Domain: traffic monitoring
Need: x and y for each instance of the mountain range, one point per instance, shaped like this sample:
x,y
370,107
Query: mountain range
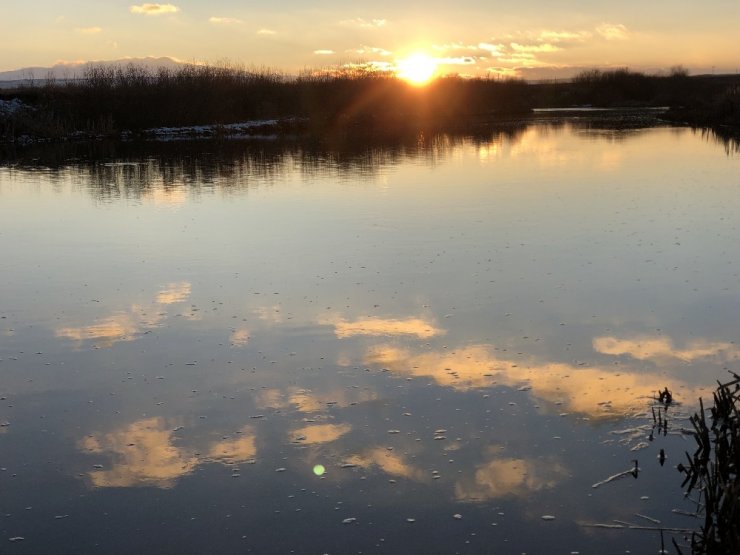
x,y
75,70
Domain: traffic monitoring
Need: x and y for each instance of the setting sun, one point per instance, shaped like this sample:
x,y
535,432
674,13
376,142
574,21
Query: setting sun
x,y
417,69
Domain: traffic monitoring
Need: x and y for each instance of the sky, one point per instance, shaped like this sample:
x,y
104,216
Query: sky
x,y
525,38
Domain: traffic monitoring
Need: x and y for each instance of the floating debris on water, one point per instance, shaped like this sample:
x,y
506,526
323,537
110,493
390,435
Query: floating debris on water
x,y
631,472
281,469
16,539
547,517
457,516
651,519
349,520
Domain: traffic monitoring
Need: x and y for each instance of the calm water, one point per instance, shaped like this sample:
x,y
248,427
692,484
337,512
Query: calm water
x,y
422,347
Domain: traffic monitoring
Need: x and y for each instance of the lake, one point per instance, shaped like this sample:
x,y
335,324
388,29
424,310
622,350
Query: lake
x,y
444,343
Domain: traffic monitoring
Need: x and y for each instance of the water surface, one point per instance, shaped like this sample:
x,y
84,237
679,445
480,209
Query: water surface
x,y
423,346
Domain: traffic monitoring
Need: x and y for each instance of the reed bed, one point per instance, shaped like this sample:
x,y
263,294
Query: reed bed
x,y
712,472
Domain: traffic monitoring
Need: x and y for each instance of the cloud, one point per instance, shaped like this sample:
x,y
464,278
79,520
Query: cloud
x,y
312,403
144,454
546,47
370,50
596,391
154,9
493,49
563,36
662,349
418,327
130,324
239,449
503,477
174,293
266,32
459,61
364,23
320,433
224,20
612,31
239,337
89,30
323,52
119,327
390,463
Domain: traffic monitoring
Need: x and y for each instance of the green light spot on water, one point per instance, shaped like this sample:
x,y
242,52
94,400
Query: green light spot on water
x,y
319,470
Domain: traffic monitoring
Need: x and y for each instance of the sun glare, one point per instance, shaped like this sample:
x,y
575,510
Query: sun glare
x,y
417,69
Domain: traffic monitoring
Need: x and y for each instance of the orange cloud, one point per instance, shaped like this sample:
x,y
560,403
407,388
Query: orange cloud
x,y
509,477
154,9
143,454
174,293
224,20
127,325
661,349
599,392
320,433
389,462
239,338
423,329
611,31
240,449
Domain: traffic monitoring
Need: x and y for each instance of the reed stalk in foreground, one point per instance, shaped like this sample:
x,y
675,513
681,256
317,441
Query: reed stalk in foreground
x,y
713,471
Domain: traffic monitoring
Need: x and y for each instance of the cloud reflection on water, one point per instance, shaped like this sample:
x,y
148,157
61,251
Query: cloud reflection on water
x,y
505,476
661,349
389,462
418,327
145,453
127,325
310,402
320,433
598,392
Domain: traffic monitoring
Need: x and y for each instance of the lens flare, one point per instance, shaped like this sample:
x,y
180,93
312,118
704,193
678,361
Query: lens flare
x,y
417,69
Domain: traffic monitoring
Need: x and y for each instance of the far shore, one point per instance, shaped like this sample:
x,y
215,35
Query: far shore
x,y
221,102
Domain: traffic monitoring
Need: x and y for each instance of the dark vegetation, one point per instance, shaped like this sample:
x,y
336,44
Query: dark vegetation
x,y
110,100
711,472
114,99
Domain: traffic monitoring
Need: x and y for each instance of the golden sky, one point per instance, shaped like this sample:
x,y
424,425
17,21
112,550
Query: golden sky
x,y
528,38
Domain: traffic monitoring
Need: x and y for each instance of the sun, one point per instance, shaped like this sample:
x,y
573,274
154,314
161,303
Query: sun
x,y
417,69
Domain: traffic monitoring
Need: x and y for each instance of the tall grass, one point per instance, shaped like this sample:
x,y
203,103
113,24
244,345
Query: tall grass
x,y
112,99
713,472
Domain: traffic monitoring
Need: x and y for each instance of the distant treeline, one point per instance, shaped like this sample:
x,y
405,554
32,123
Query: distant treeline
x,y
111,100
703,100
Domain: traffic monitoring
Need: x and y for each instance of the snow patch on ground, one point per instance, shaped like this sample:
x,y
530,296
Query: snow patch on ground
x,y
10,107
229,130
